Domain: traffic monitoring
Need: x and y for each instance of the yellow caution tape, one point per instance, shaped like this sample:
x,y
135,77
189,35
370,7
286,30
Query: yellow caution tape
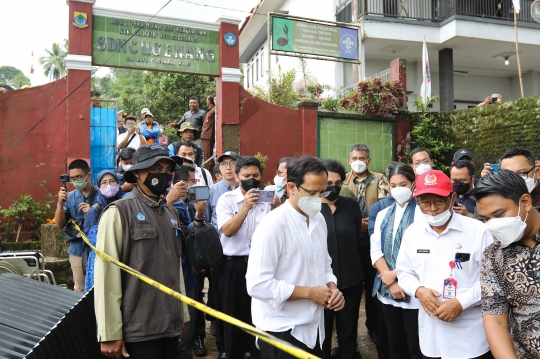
x,y
278,343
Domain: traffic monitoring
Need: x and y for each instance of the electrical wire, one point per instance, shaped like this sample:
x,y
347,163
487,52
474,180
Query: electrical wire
x,y
223,8
82,83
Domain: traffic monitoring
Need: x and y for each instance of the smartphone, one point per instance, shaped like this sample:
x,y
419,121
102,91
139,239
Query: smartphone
x,y
64,179
495,167
133,124
199,193
265,196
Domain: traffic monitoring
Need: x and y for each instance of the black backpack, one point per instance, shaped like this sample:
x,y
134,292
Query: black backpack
x,y
203,247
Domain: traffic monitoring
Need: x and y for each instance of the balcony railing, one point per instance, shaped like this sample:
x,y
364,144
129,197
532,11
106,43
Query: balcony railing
x,y
436,10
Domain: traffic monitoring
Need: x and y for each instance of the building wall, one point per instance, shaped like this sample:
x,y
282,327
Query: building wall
x,y
39,156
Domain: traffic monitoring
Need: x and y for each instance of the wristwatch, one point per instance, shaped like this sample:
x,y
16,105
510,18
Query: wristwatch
x,y
199,220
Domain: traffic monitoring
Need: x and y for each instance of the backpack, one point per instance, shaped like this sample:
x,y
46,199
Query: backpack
x,y
203,247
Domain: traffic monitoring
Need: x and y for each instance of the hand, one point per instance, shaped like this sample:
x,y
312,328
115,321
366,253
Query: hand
x,y
127,187
62,195
84,207
364,227
319,295
178,191
487,170
487,100
396,291
172,125
200,208
449,310
114,349
137,129
182,334
251,198
336,301
275,203
461,209
388,277
428,300
130,131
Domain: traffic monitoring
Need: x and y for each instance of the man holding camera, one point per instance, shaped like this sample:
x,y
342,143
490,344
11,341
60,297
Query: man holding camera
x,y
74,205
494,98
132,137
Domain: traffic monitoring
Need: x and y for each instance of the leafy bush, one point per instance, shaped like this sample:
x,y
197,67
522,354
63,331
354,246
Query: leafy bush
x,y
25,210
261,159
374,97
331,104
282,90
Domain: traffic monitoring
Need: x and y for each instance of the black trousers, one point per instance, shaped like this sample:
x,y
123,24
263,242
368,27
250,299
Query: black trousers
x,y
370,302
199,325
163,348
214,301
346,324
488,355
236,302
382,334
402,326
268,351
184,347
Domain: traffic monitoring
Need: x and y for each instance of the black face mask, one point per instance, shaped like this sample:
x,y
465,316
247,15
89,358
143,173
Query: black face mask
x,y
158,183
334,193
461,188
249,184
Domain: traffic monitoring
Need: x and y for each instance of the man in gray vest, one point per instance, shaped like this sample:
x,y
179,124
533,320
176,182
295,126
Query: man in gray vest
x,y
143,231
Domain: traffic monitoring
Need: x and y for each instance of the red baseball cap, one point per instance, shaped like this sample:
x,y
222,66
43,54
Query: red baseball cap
x,y
433,182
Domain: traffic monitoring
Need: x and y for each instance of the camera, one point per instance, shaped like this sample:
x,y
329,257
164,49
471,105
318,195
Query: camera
x,y
494,99
64,179
199,193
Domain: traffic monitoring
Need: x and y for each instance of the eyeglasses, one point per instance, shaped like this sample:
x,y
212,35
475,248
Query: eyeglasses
x,y
524,173
111,182
320,194
462,180
160,169
425,161
227,164
437,203
337,184
78,178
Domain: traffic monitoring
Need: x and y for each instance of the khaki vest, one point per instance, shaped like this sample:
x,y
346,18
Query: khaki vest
x,y
372,186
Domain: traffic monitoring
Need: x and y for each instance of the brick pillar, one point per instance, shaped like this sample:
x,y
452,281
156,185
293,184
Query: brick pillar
x,y
446,80
402,136
79,65
398,72
309,126
228,89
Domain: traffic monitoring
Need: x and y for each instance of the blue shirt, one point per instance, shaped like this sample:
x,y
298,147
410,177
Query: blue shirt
x,y
149,133
71,210
216,190
185,218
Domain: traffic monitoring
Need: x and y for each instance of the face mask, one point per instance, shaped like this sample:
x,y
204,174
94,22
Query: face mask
x,y
280,182
249,184
422,168
439,219
334,193
110,191
530,182
461,188
126,168
358,166
401,194
507,229
80,185
309,205
158,183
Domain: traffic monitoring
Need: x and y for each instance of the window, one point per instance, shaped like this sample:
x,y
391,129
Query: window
x,y
252,75
247,77
262,64
257,68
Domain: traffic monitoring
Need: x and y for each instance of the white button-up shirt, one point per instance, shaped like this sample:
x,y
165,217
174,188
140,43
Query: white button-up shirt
x,y
199,178
227,206
285,253
377,253
423,260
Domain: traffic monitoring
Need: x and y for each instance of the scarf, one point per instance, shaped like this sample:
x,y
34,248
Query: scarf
x,y
390,250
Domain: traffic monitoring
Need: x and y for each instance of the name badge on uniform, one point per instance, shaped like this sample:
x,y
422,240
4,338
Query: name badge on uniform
x,y
450,288
422,251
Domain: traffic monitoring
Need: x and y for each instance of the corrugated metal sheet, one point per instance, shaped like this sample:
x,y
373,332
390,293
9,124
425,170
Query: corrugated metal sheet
x,y
42,321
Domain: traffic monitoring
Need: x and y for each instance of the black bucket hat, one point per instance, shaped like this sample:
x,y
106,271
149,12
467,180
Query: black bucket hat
x,y
146,156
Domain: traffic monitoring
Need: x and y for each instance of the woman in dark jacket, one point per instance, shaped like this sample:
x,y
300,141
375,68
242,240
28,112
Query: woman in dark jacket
x,y
344,222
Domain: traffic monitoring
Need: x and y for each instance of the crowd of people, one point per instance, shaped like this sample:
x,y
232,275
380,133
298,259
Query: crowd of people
x,y
449,264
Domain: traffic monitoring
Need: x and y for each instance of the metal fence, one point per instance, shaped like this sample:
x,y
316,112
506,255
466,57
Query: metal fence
x,y
384,75
437,10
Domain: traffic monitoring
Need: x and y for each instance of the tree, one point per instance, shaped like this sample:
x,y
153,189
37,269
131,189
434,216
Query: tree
x,y
53,64
281,89
13,76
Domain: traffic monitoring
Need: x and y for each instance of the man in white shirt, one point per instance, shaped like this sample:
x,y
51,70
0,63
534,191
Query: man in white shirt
x,y
202,176
132,138
238,214
289,275
439,263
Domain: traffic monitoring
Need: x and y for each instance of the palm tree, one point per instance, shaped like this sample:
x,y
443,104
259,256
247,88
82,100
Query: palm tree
x,y
53,64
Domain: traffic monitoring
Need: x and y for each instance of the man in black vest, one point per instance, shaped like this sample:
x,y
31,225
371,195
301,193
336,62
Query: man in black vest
x,y
142,231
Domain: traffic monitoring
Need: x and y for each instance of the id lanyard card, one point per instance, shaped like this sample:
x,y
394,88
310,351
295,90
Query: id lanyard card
x,y
450,284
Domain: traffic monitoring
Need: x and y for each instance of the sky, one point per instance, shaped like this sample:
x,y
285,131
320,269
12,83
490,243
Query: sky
x,y
34,25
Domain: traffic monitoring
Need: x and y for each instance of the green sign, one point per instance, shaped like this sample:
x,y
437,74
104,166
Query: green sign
x,y
157,46
314,39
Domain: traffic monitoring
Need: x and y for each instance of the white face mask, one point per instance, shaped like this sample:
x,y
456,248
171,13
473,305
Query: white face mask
x,y
279,182
401,194
309,205
439,219
530,182
507,229
126,167
422,168
358,166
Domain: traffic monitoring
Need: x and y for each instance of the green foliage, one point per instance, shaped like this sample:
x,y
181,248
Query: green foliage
x,y
261,159
13,76
428,132
315,91
281,89
331,104
24,210
21,246
374,98
171,134
53,64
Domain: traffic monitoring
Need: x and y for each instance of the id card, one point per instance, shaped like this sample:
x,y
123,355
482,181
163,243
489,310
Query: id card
x,y
450,288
